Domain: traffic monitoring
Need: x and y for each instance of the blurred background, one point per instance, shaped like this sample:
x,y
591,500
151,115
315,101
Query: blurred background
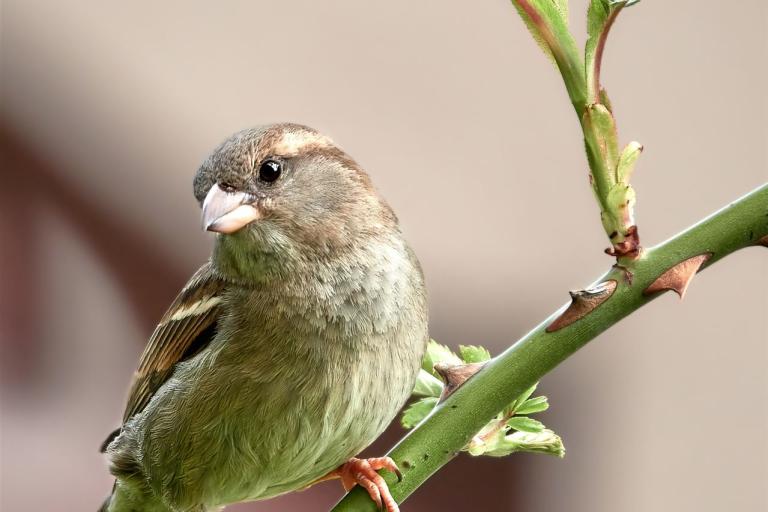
x,y
108,108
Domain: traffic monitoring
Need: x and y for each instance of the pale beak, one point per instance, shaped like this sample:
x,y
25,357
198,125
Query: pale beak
x,y
228,212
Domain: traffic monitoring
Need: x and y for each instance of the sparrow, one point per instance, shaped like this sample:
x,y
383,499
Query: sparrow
x,y
289,351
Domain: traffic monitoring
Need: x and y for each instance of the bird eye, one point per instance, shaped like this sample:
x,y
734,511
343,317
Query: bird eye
x,y
270,170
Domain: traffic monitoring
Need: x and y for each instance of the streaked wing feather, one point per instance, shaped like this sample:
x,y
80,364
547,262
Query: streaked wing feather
x,y
192,313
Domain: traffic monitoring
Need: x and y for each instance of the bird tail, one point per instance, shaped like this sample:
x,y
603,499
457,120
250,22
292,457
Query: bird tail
x,y
105,506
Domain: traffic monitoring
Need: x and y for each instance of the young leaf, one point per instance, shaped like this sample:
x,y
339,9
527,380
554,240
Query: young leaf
x,y
509,410
482,442
533,405
546,16
597,13
545,441
437,353
601,121
547,21
417,411
477,449
474,354
535,30
525,424
427,385
512,408
621,201
627,160
600,18
525,395
605,100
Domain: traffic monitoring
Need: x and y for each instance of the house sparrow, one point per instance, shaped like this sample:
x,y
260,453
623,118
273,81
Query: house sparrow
x,y
287,353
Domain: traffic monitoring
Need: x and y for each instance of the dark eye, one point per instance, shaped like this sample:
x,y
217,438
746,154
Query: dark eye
x,y
270,170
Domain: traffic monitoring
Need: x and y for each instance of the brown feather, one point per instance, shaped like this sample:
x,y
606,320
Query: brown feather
x,y
177,337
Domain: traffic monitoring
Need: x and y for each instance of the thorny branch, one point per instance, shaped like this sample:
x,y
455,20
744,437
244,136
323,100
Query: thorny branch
x,y
475,395
456,420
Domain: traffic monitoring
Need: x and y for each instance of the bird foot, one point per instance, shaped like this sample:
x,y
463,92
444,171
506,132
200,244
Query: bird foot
x,y
363,472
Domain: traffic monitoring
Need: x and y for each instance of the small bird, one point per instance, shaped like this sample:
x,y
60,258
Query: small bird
x,y
289,351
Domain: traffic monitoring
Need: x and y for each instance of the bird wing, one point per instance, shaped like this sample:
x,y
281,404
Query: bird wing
x,y
186,328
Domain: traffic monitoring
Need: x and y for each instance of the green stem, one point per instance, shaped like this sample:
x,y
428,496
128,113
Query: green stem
x,y
451,426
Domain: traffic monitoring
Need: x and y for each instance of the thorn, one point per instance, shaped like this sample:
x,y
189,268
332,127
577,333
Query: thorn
x,y
583,302
678,277
454,375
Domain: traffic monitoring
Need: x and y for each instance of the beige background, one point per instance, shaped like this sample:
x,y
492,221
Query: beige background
x,y
108,107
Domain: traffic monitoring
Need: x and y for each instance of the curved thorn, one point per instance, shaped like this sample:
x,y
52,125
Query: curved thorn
x,y
678,277
454,375
583,302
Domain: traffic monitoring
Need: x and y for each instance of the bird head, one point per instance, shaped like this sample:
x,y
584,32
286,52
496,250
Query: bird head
x,y
280,194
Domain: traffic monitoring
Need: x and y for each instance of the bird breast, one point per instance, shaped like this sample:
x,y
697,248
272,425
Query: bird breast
x,y
324,368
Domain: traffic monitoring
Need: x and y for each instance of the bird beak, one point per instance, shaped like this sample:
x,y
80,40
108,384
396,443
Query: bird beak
x,y
228,212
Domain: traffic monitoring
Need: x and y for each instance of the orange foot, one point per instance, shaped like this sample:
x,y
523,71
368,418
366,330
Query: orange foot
x,y
363,472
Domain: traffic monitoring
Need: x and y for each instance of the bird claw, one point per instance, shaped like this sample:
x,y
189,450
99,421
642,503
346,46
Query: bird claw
x,y
363,472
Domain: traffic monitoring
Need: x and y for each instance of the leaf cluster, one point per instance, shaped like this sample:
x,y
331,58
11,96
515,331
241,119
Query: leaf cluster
x,y
512,430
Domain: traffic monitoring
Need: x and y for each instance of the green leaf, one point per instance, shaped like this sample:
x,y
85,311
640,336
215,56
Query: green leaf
x,y
533,405
546,442
562,7
605,100
512,408
479,445
597,14
547,21
525,395
535,31
600,17
427,385
417,411
627,160
525,424
553,13
604,128
437,353
474,354
621,201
